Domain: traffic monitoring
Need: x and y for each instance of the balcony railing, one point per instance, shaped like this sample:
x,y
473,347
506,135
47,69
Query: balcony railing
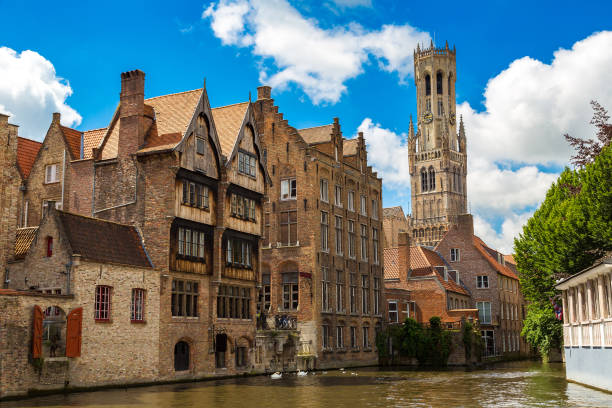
x,y
596,333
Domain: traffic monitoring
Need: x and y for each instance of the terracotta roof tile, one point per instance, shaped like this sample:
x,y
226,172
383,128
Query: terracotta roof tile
x,y
228,120
91,139
349,147
423,262
73,139
510,259
27,150
23,240
486,252
317,134
103,241
391,265
174,112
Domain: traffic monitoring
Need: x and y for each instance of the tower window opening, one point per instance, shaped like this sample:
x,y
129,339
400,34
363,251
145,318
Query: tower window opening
x,y
432,179
448,90
427,104
424,184
439,83
440,107
427,85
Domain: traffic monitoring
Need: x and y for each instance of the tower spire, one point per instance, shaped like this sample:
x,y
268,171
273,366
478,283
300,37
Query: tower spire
x,y
461,128
411,129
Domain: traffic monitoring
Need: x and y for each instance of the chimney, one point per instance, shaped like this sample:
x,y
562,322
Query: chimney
x,y
56,117
131,113
403,254
465,224
264,92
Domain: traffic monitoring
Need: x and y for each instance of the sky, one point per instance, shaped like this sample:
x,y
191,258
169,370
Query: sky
x,y
526,73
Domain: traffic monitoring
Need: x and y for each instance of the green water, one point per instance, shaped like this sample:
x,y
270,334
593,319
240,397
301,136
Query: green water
x,y
505,385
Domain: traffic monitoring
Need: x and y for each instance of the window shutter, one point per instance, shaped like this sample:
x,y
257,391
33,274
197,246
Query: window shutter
x,y
73,332
37,332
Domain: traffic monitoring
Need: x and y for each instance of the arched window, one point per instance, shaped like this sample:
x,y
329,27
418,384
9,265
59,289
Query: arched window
x,y
432,179
181,356
424,184
439,83
427,85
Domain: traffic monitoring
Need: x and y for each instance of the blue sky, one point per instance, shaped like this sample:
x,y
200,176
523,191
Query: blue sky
x,y
352,59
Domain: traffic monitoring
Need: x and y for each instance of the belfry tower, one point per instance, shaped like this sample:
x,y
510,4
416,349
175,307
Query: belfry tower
x,y
436,152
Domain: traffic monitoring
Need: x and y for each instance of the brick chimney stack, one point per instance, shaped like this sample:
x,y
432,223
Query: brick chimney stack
x,y
403,254
264,92
131,112
465,224
56,117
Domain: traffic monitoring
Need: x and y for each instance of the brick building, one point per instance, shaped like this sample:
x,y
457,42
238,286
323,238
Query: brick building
x,y
394,222
322,252
86,287
420,284
494,284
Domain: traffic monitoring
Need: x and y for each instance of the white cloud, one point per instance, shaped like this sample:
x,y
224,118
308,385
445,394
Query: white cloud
x,y
352,3
530,105
30,91
387,153
296,50
503,240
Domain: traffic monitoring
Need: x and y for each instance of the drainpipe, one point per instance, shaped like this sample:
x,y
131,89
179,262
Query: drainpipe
x,y
68,270
63,177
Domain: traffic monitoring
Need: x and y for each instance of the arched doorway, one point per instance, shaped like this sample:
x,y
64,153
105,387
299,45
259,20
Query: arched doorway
x,y
54,332
220,349
181,356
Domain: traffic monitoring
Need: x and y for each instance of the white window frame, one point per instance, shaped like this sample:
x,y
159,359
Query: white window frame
x,y
51,177
288,189
482,312
455,255
363,208
324,187
350,200
480,282
338,196
393,311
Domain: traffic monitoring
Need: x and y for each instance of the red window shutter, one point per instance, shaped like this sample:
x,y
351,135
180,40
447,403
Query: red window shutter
x,y
73,332
37,332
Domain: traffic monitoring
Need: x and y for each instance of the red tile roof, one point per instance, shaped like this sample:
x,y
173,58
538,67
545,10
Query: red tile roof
x,y
23,241
73,140
486,253
391,269
91,139
27,150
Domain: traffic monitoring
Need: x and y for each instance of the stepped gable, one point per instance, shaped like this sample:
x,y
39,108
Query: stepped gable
x,y
27,150
23,241
103,241
317,134
228,121
349,148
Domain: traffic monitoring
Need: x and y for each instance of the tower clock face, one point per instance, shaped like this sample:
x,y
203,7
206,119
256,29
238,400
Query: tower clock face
x,y
427,117
451,119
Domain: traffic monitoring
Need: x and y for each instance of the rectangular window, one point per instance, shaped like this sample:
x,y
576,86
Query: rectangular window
x,y
340,336
325,336
324,190
192,194
454,255
351,239
338,196
247,164
191,244
339,291
325,289
238,253
338,235
393,315
366,337
195,195
353,292
234,302
49,247
267,292
137,305
350,201
364,207
102,306
51,175
482,282
484,312
199,145
376,296
184,298
353,337
365,294
324,231
242,207
288,227
375,245
375,209
267,230
290,291
364,242
288,189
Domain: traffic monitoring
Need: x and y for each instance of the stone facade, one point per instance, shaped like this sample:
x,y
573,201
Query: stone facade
x,y
437,152
316,279
494,285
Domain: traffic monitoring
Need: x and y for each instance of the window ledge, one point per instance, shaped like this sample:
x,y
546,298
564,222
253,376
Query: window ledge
x,y
103,320
355,350
327,311
341,350
367,349
327,350
188,318
138,321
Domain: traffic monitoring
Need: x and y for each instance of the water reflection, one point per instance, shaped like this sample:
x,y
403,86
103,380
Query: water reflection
x,y
507,385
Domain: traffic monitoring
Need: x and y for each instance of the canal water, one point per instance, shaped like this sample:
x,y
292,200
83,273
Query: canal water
x,y
527,384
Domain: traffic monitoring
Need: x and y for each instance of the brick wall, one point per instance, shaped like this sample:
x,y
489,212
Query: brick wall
x,y
10,180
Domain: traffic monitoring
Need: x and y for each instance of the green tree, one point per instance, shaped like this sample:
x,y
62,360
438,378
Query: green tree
x,y
570,230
